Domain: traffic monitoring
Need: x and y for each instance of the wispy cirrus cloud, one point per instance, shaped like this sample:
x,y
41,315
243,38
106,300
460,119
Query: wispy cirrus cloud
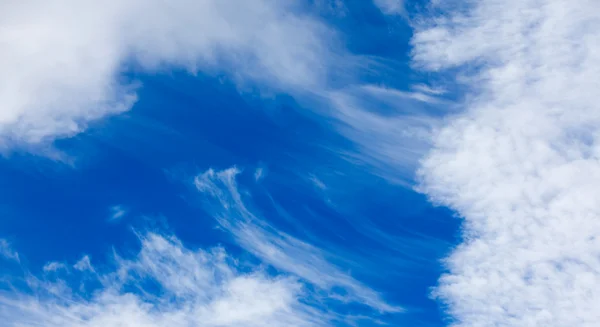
x,y
84,264
520,164
7,251
54,266
169,284
66,65
392,129
117,212
276,248
165,284
391,7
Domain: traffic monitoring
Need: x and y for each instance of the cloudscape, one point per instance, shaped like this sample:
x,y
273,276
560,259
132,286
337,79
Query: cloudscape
x,y
220,163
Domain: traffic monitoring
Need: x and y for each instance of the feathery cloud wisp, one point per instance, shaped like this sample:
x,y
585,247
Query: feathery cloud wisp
x,y
7,251
276,248
391,7
165,285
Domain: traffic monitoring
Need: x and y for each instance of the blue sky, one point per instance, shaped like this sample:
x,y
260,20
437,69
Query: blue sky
x,y
317,163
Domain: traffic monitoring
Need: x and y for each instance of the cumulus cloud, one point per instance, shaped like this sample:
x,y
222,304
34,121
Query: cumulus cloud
x,y
62,61
165,284
276,248
521,164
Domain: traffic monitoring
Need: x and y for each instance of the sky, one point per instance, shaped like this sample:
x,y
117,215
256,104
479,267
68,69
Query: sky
x,y
310,163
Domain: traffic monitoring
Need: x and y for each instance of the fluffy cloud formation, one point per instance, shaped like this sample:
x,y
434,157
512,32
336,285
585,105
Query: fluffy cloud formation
x,y
62,60
522,163
165,285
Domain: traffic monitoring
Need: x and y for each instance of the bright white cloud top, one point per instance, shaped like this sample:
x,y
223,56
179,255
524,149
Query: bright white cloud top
x,y
62,60
522,164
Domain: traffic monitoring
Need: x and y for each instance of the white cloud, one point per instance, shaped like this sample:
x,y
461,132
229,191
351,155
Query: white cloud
x,y
54,266
521,164
316,182
392,128
84,264
117,212
166,285
426,89
62,60
260,173
64,63
7,251
391,7
277,248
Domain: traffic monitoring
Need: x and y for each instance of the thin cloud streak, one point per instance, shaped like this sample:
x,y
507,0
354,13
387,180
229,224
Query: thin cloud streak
x,y
391,7
7,251
277,248
117,212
